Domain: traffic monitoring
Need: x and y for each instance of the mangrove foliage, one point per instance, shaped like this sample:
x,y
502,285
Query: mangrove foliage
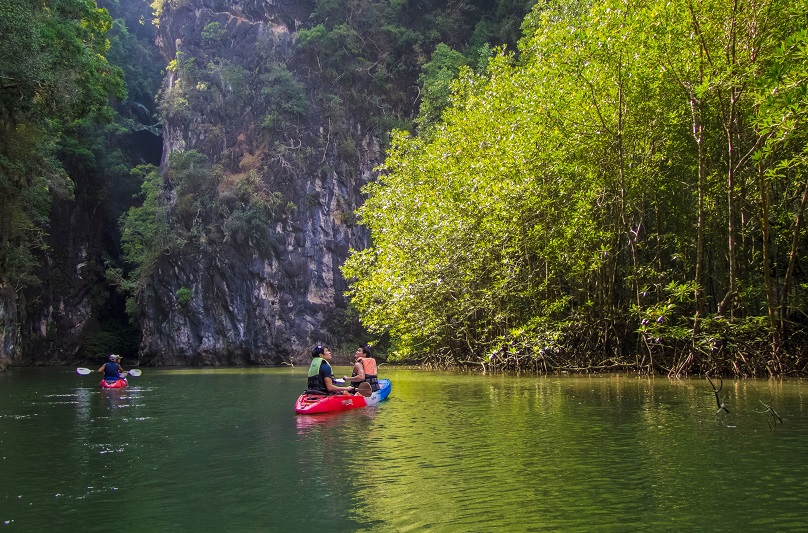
x,y
626,191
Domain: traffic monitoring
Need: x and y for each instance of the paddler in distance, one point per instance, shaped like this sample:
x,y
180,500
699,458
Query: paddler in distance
x,y
112,369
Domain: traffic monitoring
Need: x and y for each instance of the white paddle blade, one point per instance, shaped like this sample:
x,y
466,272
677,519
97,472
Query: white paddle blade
x,y
83,371
135,372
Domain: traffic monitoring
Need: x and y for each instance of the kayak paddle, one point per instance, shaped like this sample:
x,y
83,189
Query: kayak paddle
x,y
364,389
86,372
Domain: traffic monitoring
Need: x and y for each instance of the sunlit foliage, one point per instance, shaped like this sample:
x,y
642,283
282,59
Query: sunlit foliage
x,y
593,203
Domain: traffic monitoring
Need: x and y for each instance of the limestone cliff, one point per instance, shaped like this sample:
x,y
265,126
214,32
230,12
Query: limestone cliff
x,y
251,297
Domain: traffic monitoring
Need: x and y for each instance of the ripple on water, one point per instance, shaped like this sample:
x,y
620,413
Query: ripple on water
x,y
208,451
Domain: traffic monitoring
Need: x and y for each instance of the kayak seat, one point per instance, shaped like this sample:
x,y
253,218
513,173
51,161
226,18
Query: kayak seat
x,y
312,392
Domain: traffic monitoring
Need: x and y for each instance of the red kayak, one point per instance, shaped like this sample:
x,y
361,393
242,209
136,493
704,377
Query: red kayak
x,y
314,403
118,384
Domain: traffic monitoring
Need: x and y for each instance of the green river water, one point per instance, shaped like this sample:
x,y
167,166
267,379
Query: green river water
x,y
222,450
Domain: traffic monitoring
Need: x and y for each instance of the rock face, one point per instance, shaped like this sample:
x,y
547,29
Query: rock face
x,y
273,114
239,297
8,327
61,317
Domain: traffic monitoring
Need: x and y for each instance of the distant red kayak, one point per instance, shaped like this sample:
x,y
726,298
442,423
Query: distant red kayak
x,y
119,384
314,404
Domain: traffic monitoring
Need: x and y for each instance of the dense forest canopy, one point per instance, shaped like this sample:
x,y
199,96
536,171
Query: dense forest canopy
x,y
566,186
626,192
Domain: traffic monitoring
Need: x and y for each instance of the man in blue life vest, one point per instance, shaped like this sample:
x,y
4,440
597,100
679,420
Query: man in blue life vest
x,y
112,369
321,377
364,369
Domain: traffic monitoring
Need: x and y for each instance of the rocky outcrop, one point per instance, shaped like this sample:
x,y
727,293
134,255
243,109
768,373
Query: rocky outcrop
x,y
267,298
9,332
58,318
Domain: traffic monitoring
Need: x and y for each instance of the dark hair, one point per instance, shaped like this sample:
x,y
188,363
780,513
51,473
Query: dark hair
x,y
366,350
317,351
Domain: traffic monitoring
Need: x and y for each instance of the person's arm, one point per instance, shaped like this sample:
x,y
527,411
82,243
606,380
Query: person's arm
x,y
329,384
102,367
359,371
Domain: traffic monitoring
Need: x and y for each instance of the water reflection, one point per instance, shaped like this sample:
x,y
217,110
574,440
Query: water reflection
x,y
326,420
355,418
203,451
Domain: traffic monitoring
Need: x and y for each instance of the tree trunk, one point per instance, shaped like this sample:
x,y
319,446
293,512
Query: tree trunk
x,y
792,257
771,302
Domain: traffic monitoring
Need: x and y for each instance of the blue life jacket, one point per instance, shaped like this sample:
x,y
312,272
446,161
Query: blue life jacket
x,y
111,371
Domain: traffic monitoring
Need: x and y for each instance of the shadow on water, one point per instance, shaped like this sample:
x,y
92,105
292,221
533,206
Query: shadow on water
x,y
221,449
